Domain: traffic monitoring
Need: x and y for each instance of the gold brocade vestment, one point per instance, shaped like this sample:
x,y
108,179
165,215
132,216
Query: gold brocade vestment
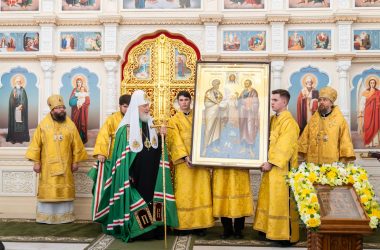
x,y
275,211
232,196
192,186
56,146
327,139
103,146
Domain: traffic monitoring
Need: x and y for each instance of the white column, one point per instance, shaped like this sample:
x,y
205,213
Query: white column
x,y
344,4
277,5
47,6
276,68
48,67
211,38
111,67
46,38
277,37
111,62
211,46
110,38
344,36
344,88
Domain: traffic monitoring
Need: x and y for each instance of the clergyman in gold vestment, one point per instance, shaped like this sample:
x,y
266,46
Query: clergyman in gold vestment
x,y
56,149
192,185
106,137
326,138
276,215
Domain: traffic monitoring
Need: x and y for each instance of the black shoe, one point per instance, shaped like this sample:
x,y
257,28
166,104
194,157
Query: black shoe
x,y
225,235
238,235
159,233
285,243
262,236
182,232
200,232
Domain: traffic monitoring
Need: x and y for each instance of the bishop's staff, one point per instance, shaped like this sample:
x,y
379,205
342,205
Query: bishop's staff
x,y
162,124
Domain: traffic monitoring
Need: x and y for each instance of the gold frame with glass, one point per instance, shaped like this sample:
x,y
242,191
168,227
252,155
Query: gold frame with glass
x,y
231,114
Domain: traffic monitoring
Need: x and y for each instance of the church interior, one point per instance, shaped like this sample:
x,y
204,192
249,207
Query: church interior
x,y
115,47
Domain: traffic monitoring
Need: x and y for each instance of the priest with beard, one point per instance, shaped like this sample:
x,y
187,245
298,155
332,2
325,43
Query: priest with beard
x,y
56,149
129,189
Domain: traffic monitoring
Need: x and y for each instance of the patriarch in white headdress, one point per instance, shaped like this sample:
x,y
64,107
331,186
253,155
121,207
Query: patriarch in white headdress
x,y
138,111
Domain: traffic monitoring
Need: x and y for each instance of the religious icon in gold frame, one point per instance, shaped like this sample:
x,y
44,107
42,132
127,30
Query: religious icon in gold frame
x,y
231,114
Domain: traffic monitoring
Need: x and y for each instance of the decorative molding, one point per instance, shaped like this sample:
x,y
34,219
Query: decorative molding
x,y
346,17
368,19
88,21
14,161
182,242
46,57
45,19
211,18
255,177
101,243
368,58
242,21
7,21
109,57
244,57
344,56
17,183
17,56
161,21
312,54
110,19
54,239
282,18
87,56
277,56
342,67
311,19
210,57
83,185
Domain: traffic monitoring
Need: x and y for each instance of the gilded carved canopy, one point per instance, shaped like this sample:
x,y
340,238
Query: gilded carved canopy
x,y
160,64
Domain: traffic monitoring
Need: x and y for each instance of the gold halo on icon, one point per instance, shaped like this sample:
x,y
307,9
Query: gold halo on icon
x,y
371,77
22,79
79,77
313,78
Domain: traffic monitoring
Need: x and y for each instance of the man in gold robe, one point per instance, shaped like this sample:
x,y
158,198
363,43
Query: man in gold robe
x,y
276,216
232,200
326,138
106,137
56,149
192,185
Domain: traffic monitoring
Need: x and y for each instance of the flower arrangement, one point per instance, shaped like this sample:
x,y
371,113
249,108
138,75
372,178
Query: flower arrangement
x,y
301,182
